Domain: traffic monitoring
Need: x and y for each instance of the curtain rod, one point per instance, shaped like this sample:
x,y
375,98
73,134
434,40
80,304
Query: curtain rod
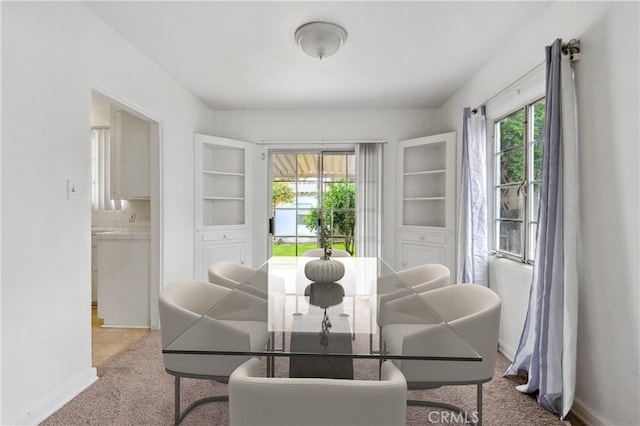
x,y
571,48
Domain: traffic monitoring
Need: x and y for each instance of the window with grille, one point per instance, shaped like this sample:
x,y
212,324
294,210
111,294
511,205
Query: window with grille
x,y
518,162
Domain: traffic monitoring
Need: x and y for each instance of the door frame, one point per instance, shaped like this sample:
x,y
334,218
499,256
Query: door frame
x,y
315,148
155,188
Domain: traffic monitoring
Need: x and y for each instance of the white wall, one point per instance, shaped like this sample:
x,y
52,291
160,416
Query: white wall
x,y
511,280
309,126
53,55
608,96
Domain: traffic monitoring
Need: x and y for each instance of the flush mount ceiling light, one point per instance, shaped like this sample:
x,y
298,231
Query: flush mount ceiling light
x,y
320,39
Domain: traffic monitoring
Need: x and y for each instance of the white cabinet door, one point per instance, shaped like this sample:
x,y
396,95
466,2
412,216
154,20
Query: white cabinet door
x,y
130,174
221,202
123,282
417,248
418,254
426,200
219,245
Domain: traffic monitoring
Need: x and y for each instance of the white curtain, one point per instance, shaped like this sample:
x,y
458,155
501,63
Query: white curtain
x,y
101,170
547,349
368,199
472,227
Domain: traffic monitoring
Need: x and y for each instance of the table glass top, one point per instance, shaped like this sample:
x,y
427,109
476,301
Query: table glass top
x,y
339,319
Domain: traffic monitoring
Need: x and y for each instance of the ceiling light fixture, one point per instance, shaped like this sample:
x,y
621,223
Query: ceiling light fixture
x,y
320,39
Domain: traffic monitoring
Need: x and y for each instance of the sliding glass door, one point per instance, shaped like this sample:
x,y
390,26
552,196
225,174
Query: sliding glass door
x,y
312,189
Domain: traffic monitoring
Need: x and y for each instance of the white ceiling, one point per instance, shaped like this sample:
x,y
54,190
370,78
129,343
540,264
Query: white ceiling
x,y
242,55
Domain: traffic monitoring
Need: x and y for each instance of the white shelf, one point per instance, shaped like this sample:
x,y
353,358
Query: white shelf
x,y
423,212
219,173
221,181
223,198
424,191
425,172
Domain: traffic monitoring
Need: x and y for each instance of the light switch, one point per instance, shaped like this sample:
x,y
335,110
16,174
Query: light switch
x,y
72,190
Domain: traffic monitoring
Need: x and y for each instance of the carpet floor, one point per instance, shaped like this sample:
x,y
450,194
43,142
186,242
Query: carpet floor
x,y
134,389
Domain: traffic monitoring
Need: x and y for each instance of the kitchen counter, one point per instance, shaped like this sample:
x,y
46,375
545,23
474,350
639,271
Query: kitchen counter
x,y
123,235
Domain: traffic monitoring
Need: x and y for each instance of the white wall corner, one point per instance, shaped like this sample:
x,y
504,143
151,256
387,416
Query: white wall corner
x,y
58,399
509,351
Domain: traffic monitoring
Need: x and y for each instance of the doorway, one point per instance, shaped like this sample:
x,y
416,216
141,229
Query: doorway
x,y
135,212
311,190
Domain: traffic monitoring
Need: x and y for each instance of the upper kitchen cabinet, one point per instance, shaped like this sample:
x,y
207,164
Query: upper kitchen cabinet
x,y
130,153
426,200
222,205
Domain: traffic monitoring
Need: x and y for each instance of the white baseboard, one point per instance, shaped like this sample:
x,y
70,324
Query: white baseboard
x,y
60,397
124,326
506,350
586,415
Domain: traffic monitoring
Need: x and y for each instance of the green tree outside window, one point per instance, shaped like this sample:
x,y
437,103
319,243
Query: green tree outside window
x,y
337,213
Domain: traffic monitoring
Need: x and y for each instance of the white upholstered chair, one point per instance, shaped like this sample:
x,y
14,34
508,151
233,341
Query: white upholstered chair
x,y
472,311
417,279
319,252
253,281
266,401
232,275
420,278
188,322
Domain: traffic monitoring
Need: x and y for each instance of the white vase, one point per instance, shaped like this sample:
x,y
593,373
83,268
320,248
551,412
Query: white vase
x,y
324,271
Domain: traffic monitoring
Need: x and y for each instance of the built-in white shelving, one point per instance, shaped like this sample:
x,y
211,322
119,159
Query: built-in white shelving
x,y
426,191
221,205
222,176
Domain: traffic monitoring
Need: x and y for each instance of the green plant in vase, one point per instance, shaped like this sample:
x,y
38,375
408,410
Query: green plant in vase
x,y
326,242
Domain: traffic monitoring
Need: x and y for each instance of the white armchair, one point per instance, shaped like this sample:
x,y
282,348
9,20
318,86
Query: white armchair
x,y
232,275
410,327
420,278
188,322
265,401
253,281
417,279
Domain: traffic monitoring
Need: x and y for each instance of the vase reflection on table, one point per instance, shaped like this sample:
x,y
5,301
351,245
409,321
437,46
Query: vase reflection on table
x,y
326,328
325,295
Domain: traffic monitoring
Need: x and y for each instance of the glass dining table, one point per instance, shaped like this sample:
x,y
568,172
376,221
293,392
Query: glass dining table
x,y
321,329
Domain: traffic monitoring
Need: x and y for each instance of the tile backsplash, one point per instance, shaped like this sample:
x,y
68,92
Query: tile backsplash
x,y
133,214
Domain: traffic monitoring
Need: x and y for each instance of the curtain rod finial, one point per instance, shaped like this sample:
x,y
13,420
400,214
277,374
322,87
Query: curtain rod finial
x,y
572,48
